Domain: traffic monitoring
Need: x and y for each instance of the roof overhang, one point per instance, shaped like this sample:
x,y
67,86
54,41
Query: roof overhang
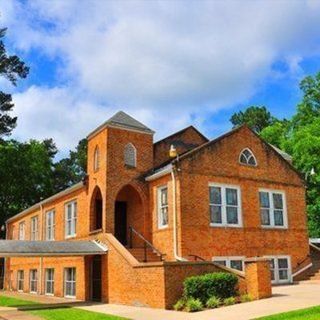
x,y
160,173
20,248
38,205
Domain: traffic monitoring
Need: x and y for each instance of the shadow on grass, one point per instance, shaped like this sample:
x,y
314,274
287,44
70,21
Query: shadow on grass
x,y
62,305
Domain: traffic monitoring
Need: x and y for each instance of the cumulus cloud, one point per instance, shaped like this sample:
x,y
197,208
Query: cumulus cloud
x,y
166,61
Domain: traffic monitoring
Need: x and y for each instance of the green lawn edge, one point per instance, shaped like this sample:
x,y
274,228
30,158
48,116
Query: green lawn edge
x,y
54,312
312,313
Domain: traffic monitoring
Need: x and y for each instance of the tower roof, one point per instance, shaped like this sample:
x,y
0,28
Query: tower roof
x,y
123,120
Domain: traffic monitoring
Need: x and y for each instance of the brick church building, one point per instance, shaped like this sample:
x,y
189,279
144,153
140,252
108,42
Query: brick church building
x,y
149,214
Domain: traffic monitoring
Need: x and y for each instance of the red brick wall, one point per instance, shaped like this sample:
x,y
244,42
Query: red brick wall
x,y
219,164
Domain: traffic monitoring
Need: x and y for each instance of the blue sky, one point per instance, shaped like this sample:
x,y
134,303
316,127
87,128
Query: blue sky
x,y
168,63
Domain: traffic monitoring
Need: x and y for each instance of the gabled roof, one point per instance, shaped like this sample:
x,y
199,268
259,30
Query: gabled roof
x,y
279,153
16,248
123,120
181,132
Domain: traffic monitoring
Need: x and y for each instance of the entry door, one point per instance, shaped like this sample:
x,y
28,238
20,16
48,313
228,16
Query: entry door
x,y
120,222
96,278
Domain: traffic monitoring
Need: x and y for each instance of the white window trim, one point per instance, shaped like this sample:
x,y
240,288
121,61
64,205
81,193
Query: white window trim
x,y
19,280
277,281
30,280
65,283
159,207
285,216
223,206
53,226
34,233
247,164
22,223
46,281
74,220
228,261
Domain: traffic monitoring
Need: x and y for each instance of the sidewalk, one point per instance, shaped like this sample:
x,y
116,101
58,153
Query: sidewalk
x,y
285,298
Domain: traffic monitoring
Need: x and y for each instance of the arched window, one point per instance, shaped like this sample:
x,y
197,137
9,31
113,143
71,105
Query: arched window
x,y
96,210
96,160
130,155
247,157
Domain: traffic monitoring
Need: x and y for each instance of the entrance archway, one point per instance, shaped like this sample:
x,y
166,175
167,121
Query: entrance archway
x,y
128,212
96,210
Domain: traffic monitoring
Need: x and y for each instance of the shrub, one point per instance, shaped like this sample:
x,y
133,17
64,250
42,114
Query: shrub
x,y
180,304
229,301
221,285
246,298
213,302
193,305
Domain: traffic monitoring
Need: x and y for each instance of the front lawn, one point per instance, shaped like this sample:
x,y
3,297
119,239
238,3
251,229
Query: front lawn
x,y
303,314
54,313
72,314
13,302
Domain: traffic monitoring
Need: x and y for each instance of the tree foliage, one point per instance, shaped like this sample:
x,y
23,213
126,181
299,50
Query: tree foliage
x,y
300,137
257,118
11,68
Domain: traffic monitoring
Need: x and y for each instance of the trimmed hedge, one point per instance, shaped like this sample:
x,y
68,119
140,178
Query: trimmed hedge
x,y
221,285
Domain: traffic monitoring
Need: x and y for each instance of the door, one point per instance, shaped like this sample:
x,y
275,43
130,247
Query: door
x,y
120,222
96,278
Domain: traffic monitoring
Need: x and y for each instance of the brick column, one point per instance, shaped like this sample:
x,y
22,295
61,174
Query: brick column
x,y
258,277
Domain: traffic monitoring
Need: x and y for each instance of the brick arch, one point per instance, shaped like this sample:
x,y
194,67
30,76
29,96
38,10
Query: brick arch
x,y
133,198
96,209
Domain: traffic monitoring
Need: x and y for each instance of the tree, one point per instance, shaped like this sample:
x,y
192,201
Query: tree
x,y
72,169
26,171
12,68
257,118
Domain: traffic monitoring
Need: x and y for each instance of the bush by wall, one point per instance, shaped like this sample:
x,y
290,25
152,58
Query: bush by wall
x,y
220,285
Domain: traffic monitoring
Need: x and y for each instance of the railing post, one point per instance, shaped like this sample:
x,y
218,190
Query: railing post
x,y
130,235
145,252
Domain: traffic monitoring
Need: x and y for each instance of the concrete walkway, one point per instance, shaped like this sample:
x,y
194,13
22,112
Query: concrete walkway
x,y
285,298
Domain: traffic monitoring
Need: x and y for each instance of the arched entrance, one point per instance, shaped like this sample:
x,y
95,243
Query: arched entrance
x,y
96,210
128,212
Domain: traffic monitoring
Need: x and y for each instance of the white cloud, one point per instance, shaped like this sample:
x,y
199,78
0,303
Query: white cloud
x,y
163,61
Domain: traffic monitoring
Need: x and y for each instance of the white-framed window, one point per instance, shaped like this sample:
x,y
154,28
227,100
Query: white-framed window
x,y
34,228
225,205
22,230
71,219
247,157
233,262
70,282
33,280
130,155
50,225
280,267
96,159
20,280
49,286
162,195
273,210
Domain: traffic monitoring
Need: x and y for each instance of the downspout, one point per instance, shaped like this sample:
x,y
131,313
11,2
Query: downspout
x,y
175,243
41,258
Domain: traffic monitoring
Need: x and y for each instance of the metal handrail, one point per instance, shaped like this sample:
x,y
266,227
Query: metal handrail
x,y
300,263
196,257
146,244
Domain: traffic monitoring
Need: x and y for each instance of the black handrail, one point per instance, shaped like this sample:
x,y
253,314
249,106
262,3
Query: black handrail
x,y
196,258
300,263
146,244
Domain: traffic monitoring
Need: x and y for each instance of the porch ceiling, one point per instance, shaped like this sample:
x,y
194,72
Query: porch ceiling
x,y
17,248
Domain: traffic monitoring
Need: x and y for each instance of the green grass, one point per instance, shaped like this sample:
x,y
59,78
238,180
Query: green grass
x,y
13,302
72,314
303,314
54,313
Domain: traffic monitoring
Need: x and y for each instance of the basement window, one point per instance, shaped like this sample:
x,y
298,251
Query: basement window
x,y
236,263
